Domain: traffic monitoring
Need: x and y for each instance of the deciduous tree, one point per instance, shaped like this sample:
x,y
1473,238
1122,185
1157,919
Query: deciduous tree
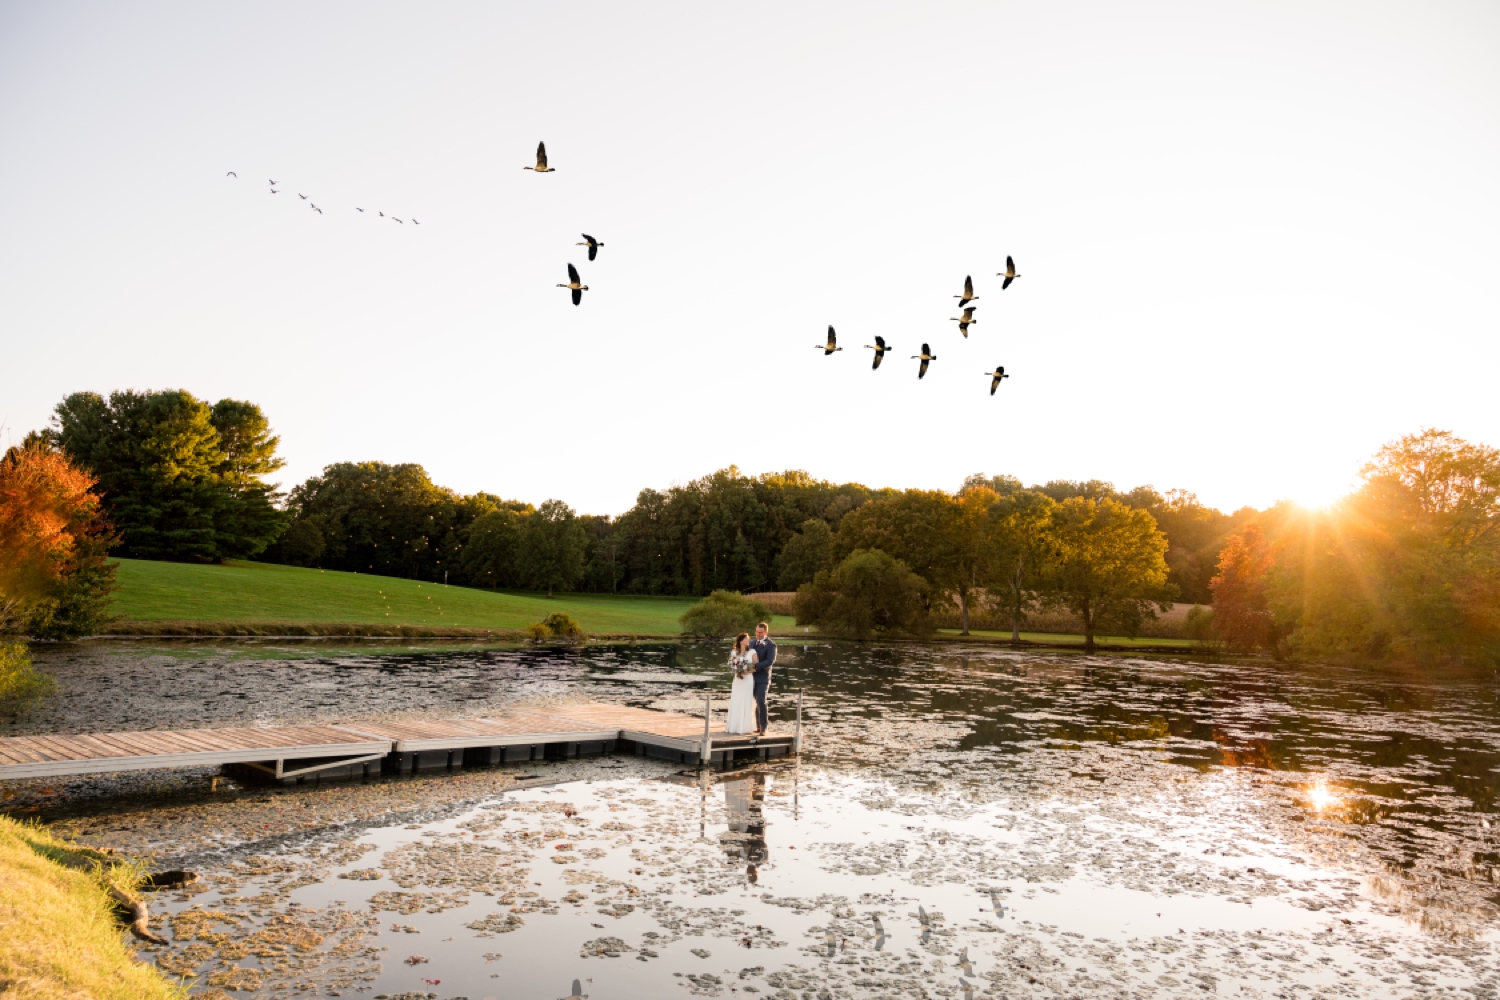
x,y
1110,565
1023,545
54,579
868,593
552,547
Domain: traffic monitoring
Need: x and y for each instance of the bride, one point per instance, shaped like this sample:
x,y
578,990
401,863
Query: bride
x,y
742,696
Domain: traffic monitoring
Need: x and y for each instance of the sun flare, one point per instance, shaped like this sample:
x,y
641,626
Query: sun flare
x,y
1320,797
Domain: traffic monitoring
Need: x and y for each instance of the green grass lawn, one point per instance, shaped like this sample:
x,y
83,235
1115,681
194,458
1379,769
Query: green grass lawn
x,y
262,592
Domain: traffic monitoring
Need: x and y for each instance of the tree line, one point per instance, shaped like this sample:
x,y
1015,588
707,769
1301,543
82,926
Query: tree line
x,y
1405,567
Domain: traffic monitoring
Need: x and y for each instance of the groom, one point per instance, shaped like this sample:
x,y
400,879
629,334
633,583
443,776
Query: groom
x,y
765,657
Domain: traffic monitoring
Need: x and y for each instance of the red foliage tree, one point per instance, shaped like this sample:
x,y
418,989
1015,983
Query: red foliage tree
x,y
1242,614
53,541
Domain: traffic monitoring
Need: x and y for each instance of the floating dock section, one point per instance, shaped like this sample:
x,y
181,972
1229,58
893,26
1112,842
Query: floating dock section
x,y
294,754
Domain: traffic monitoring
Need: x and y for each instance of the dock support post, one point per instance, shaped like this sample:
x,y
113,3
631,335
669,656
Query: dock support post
x,y
707,749
797,738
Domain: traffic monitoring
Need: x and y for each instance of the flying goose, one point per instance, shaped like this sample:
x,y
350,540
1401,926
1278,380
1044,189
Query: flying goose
x,y
274,191
831,346
541,160
1009,272
233,174
592,244
274,183
415,222
926,356
358,209
301,195
315,208
968,295
964,321
879,348
995,377
574,284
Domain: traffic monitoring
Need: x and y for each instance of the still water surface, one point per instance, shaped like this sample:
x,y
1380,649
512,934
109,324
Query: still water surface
x,y
963,822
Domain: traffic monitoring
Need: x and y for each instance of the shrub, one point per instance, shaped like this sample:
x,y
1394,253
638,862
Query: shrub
x,y
723,613
869,593
555,626
1199,624
21,684
562,626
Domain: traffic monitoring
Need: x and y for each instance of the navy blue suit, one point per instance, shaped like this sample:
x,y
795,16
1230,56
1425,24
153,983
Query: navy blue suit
x,y
765,658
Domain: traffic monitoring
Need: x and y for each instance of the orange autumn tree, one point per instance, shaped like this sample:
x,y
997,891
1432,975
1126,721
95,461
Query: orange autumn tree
x,y
1242,614
54,578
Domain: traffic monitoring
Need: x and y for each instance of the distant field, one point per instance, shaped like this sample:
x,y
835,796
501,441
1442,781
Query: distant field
x,y
261,592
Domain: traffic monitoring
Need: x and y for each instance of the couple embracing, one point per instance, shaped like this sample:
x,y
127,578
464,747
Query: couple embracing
x,y
751,663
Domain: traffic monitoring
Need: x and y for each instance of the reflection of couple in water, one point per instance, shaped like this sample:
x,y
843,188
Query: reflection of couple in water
x,y
751,663
744,800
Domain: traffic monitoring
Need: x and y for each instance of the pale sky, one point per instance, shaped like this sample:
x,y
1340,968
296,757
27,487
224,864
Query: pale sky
x,y
1256,240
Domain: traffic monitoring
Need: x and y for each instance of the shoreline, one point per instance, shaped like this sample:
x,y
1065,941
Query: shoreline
x,y
179,629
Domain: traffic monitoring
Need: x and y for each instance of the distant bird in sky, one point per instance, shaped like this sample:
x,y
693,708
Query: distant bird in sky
x,y
995,377
831,346
382,214
1009,272
415,222
274,183
315,208
964,321
575,284
541,160
926,356
301,195
358,209
968,295
592,244
879,348
577,993
233,174
394,219
274,191
963,962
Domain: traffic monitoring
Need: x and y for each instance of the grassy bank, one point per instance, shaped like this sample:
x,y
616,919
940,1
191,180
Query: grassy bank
x,y
255,597
58,934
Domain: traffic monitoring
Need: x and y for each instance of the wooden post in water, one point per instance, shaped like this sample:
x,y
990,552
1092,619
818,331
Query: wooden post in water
x,y
708,745
797,739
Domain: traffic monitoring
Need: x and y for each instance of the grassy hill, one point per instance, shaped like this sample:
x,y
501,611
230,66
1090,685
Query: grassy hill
x,y
262,598
262,593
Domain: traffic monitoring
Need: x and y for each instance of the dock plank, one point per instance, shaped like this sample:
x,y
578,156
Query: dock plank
x,y
52,754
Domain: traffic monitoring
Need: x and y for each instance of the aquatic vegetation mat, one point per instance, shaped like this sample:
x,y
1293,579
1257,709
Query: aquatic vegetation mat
x,y
981,824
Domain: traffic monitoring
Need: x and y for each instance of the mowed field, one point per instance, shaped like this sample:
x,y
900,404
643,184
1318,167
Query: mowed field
x,y
262,592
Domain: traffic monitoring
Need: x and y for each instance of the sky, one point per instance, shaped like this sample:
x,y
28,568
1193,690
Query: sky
x,y
1256,240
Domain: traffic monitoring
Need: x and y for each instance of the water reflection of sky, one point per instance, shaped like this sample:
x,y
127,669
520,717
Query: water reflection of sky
x,y
1147,828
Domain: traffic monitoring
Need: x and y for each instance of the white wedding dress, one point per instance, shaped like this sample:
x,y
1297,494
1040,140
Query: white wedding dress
x,y
742,698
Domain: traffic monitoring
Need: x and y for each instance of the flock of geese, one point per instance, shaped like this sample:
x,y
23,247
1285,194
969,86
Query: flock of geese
x,y
314,205
964,321
576,286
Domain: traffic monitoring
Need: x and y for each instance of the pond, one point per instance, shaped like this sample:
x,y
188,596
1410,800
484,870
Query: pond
x,y
963,822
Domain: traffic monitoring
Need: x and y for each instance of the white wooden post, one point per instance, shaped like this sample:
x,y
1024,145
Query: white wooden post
x,y
707,754
797,739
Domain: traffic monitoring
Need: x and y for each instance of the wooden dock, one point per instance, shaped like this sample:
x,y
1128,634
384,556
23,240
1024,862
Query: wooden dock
x,y
290,754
